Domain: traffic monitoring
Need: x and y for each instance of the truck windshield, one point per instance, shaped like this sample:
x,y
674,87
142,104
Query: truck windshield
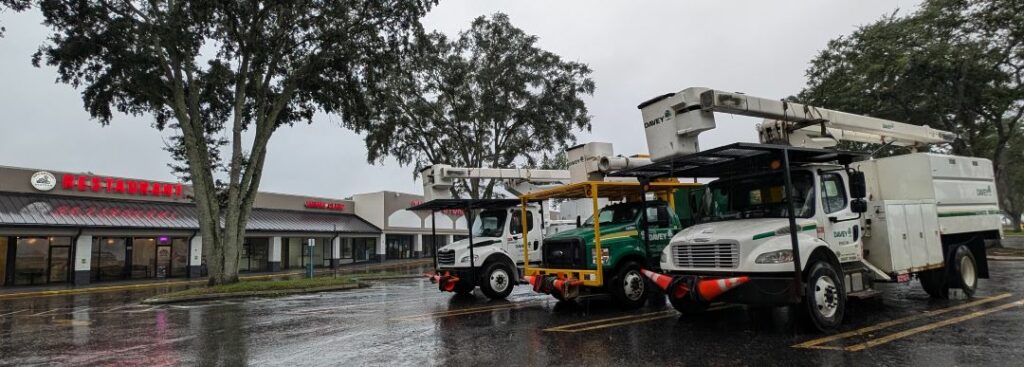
x,y
489,223
616,213
761,196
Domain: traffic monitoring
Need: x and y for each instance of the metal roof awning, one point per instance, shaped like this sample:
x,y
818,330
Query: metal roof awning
x,y
27,210
447,204
737,158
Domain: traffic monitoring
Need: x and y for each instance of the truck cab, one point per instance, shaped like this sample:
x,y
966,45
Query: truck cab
x,y
497,252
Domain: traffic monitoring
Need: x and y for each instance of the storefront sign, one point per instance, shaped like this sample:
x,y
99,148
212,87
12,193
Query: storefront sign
x,y
325,205
120,186
43,181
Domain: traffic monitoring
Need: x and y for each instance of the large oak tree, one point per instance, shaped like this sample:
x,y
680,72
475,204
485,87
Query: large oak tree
x,y
956,65
225,75
488,98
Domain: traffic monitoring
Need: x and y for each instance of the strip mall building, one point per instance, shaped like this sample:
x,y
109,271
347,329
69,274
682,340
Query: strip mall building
x,y
80,228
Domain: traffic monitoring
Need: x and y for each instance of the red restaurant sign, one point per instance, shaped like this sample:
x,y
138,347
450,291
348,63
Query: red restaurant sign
x,y
120,186
325,205
452,212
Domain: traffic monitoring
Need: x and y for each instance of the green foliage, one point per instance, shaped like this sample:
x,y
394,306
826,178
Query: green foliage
x,y
957,65
489,98
213,70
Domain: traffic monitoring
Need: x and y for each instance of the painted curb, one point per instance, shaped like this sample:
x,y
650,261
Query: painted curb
x,y
216,296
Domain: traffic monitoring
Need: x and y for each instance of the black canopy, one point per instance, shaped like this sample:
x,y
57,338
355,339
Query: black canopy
x,y
445,204
737,158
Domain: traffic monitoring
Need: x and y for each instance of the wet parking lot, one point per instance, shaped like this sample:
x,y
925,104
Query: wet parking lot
x,y
408,322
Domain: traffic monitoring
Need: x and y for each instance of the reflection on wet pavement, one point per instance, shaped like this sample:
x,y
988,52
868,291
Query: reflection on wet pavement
x,y
408,322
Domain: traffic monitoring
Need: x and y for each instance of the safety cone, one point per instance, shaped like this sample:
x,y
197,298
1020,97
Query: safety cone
x,y
712,288
434,278
534,281
447,283
665,282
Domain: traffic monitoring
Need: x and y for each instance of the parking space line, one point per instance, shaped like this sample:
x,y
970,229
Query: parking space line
x,y
623,320
45,312
11,313
903,320
903,334
611,321
467,311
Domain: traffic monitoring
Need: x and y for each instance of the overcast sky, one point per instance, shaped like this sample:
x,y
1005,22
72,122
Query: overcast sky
x,y
637,49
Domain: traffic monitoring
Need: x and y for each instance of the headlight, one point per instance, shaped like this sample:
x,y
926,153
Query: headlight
x,y
775,257
465,259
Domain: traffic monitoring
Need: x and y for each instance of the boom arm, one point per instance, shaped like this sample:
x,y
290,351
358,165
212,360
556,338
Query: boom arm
x,y
439,178
673,121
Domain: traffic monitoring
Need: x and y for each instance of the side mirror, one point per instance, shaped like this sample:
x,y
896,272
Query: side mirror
x,y
578,222
858,186
859,206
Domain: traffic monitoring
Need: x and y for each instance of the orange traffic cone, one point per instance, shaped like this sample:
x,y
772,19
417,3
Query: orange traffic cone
x,y
534,281
448,282
712,288
434,278
665,282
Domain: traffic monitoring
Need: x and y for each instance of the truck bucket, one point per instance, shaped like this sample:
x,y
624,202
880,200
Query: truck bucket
x,y
707,289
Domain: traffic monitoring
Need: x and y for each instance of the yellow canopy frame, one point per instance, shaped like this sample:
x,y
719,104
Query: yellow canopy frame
x,y
628,191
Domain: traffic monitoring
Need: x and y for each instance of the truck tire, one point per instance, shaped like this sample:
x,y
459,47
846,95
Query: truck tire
x,y
629,286
825,296
688,306
496,281
964,274
934,283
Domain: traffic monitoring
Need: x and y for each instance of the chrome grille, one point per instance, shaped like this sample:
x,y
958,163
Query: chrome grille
x,y
706,255
446,257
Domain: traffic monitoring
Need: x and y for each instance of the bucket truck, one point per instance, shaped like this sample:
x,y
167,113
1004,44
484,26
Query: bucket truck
x,y
788,222
500,235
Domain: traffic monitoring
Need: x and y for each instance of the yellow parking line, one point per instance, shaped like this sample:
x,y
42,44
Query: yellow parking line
x,y
611,322
466,311
903,334
903,320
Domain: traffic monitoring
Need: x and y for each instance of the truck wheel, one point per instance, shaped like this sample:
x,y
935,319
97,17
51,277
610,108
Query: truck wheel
x,y
965,271
934,283
629,287
688,306
497,281
825,298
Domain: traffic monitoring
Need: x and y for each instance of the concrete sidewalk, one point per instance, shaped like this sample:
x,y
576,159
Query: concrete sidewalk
x,y
45,291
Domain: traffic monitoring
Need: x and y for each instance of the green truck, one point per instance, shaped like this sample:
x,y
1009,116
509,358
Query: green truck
x,y
569,266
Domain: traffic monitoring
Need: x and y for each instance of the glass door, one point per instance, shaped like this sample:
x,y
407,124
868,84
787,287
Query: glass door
x,y
59,263
163,261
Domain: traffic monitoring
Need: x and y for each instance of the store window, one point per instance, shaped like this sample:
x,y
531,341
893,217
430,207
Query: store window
x,y
179,257
399,246
109,258
294,254
255,255
363,249
143,258
429,244
40,260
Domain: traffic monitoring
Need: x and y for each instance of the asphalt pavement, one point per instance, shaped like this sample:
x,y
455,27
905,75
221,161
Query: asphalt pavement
x,y
408,322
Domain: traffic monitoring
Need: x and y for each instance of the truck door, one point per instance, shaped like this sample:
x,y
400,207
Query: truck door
x,y
514,245
661,227
841,229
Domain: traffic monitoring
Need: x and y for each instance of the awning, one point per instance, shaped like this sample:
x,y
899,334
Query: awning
x,y
27,210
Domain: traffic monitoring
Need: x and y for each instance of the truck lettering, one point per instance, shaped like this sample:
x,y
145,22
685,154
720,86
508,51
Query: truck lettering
x,y
652,122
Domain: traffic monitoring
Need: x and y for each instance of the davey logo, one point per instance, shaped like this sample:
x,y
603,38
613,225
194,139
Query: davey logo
x,y
43,181
987,191
663,118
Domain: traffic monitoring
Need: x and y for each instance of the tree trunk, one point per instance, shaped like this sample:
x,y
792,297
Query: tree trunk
x,y
1015,222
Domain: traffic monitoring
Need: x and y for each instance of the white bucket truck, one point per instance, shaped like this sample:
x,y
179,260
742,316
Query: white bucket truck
x,y
787,221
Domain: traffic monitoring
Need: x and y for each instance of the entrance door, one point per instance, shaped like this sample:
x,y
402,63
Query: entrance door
x,y
59,263
163,261
3,261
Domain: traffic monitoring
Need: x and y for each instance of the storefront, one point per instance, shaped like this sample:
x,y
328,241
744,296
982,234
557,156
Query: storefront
x,y
68,228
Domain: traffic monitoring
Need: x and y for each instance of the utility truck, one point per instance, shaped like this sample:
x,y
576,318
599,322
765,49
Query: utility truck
x,y
607,253
787,221
499,238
